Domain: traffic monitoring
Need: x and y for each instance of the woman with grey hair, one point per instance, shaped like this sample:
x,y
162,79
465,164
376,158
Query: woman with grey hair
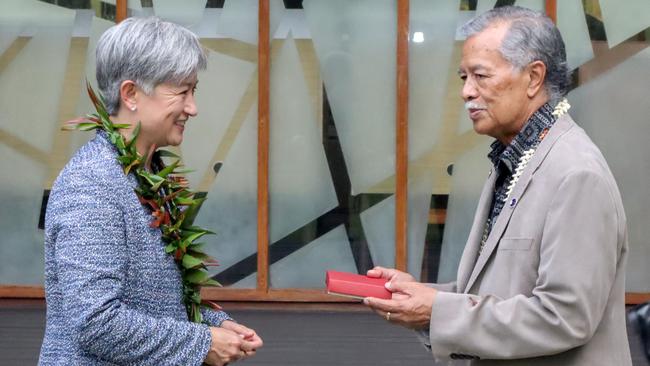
x,y
115,296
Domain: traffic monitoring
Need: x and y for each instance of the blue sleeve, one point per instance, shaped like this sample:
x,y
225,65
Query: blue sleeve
x,y
214,318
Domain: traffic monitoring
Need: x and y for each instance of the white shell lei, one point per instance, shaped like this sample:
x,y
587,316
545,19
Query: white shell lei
x,y
561,108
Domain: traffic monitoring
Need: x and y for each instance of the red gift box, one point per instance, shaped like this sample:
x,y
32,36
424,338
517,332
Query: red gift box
x,y
355,285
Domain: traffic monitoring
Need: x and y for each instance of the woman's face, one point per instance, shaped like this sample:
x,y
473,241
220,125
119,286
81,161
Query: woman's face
x,y
163,114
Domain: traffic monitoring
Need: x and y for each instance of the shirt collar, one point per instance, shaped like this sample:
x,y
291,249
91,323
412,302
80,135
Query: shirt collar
x,y
526,139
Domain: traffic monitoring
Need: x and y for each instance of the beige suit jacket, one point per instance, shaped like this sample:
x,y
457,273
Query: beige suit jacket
x,y
549,286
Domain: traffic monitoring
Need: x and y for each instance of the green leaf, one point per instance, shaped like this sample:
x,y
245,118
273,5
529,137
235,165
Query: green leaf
x,y
134,135
86,126
191,262
196,297
152,179
193,236
196,276
196,252
168,169
192,211
120,143
170,248
211,282
183,200
167,154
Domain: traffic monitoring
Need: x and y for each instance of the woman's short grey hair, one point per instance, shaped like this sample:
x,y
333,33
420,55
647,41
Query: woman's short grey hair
x,y
148,51
532,36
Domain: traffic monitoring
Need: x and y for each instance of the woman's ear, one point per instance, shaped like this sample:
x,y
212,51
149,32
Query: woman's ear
x,y
128,91
537,74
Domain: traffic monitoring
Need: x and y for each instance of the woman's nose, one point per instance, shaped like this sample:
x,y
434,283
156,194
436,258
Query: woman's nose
x,y
190,106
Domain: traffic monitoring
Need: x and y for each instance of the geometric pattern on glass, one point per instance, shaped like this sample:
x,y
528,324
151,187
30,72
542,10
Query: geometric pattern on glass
x,y
356,53
300,183
620,128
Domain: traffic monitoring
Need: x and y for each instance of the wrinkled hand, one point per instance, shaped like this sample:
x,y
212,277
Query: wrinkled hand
x,y
390,274
410,305
225,347
251,341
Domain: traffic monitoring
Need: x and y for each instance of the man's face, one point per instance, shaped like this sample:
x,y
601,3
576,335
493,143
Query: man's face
x,y
494,91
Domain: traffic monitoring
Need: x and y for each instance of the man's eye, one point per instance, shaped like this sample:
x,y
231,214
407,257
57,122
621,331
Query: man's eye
x,y
480,76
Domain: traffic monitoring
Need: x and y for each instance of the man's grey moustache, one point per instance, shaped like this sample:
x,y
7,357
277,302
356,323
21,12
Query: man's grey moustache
x,y
473,105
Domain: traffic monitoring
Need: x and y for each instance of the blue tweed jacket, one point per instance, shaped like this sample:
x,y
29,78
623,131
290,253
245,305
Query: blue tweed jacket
x,y
113,295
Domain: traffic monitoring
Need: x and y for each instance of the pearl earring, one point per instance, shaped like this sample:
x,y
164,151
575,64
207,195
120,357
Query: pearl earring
x,y
133,108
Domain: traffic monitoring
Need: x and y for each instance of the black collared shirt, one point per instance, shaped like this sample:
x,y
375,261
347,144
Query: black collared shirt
x,y
505,158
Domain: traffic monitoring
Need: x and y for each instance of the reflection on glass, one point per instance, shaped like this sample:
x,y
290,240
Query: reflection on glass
x,y
32,74
624,19
621,130
357,63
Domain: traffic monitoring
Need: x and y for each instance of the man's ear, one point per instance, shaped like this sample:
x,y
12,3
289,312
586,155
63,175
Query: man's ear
x,y
128,91
537,74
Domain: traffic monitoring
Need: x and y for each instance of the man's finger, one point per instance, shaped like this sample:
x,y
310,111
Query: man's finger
x,y
380,304
402,286
377,271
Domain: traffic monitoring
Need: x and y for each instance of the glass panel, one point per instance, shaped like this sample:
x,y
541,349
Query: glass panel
x,y
469,173
220,91
78,138
430,53
131,4
379,224
306,266
322,176
188,13
231,208
32,74
484,5
239,19
357,63
624,19
531,4
573,25
618,124
300,184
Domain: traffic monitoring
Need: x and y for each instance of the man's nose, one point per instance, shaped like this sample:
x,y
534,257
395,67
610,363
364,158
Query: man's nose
x,y
469,91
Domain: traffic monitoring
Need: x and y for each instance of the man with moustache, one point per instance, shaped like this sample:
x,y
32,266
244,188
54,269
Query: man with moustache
x,y
542,277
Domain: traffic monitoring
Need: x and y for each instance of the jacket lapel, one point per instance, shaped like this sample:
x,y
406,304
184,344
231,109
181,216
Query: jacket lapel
x,y
468,259
561,126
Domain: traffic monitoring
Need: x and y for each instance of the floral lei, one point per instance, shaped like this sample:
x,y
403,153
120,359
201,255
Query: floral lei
x,y
166,194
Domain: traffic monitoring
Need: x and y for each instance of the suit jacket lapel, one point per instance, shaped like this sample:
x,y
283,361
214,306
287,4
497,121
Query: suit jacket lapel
x,y
468,259
561,126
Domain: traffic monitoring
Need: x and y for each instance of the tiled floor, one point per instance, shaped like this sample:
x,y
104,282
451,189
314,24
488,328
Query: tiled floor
x,y
293,336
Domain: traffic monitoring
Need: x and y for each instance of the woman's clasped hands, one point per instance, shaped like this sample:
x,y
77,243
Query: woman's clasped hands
x,y
231,342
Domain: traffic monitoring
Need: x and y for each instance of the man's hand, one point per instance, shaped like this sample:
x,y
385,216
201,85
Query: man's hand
x,y
390,274
410,305
251,341
225,347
